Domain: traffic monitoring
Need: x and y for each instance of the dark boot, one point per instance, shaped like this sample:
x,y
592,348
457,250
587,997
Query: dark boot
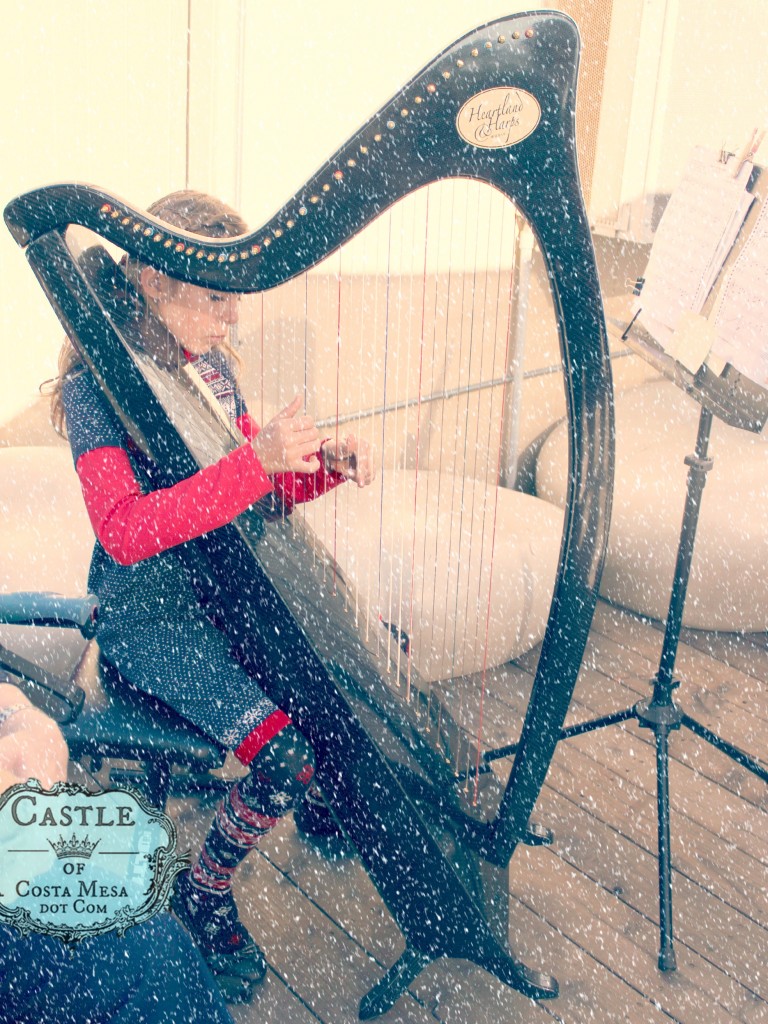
x,y
223,940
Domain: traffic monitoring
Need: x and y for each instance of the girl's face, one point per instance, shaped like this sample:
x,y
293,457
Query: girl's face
x,y
198,318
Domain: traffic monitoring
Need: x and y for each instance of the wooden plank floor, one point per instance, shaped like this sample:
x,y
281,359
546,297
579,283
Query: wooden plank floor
x,y
586,908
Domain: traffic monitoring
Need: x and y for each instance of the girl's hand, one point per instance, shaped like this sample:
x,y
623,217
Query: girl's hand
x,y
352,457
288,442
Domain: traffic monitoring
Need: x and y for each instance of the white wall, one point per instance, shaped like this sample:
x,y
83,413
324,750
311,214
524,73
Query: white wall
x,y
89,94
680,73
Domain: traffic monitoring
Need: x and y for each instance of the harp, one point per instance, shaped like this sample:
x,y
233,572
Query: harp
x,y
497,107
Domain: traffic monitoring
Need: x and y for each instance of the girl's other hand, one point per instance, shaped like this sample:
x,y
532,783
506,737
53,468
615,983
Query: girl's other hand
x,y
353,457
289,442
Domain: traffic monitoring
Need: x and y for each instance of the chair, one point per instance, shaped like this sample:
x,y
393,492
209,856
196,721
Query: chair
x,y
103,717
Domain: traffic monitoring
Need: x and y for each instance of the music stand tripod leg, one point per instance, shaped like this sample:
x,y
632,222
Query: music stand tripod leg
x,y
735,753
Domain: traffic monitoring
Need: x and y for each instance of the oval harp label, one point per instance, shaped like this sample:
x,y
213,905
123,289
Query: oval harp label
x,y
497,118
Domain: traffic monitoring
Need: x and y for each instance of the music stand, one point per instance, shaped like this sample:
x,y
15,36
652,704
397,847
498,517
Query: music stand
x,y
741,403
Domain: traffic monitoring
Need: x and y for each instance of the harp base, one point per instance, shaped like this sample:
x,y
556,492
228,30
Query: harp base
x,y
386,992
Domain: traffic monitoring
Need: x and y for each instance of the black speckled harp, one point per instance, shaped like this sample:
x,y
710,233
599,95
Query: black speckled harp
x,y
496,107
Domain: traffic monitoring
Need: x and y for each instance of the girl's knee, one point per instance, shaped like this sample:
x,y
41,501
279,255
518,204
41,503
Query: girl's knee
x,y
280,772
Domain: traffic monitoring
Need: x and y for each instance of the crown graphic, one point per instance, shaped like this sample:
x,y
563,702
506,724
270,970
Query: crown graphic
x,y
73,847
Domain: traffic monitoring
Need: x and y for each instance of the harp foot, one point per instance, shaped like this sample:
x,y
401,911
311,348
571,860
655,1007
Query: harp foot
x,y
388,990
236,991
529,982
538,835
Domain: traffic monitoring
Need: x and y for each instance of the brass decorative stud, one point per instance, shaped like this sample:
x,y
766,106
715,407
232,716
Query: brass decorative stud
x,y
404,112
278,232
314,199
446,75
364,150
256,249
474,52
489,45
338,175
418,99
326,187
377,137
459,63
502,39
351,162
290,223
390,124
432,88
302,211
515,35
529,33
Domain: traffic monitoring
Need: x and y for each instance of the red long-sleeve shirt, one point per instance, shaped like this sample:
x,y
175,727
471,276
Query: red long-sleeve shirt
x,y
132,525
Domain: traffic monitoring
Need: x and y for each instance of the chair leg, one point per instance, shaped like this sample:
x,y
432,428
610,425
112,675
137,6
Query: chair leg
x,y
151,778
158,774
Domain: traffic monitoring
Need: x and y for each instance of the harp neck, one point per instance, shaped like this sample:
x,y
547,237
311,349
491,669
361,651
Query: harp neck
x,y
497,106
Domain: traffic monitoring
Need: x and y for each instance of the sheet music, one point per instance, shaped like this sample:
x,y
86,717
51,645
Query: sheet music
x,y
695,235
741,311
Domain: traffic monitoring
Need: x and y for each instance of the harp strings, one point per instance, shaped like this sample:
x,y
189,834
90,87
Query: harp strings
x,y
494,510
425,438
336,429
441,343
461,430
402,341
366,359
417,439
484,557
388,303
407,345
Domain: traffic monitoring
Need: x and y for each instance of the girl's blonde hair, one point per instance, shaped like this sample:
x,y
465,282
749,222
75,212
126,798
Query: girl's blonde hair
x,y
191,211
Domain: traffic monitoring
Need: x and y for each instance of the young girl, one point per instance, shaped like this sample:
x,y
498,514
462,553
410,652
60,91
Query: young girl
x,y
150,625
